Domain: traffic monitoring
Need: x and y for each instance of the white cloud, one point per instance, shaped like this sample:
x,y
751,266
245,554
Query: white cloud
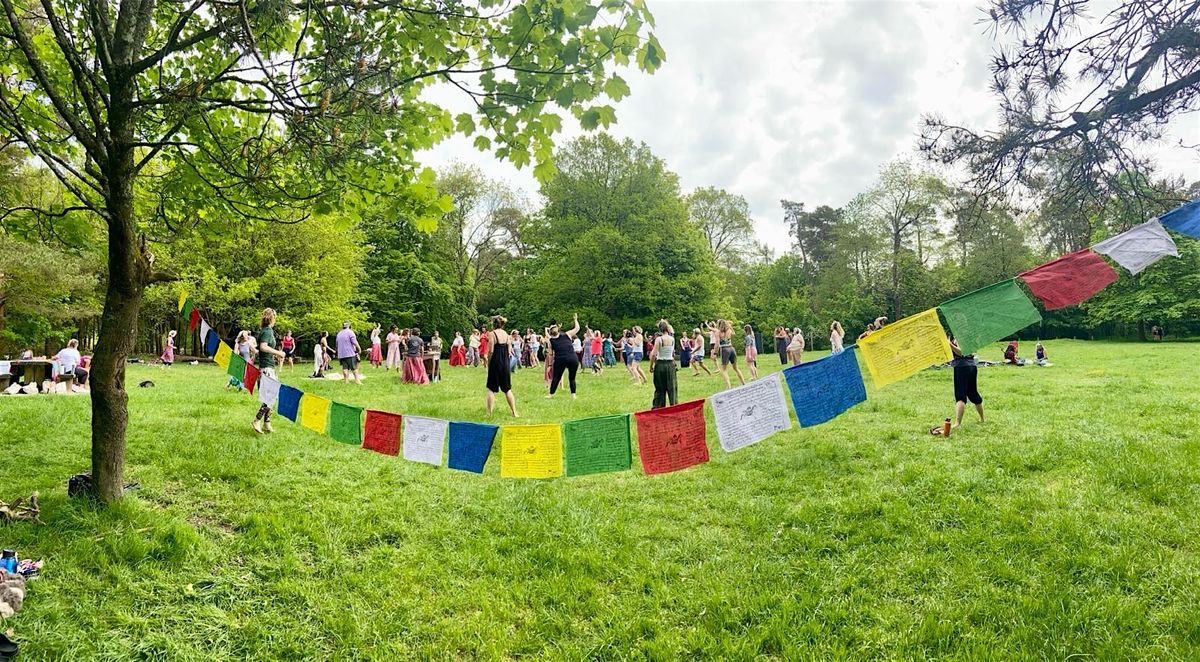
x,y
802,100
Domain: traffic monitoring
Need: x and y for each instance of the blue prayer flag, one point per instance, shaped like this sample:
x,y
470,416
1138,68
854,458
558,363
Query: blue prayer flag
x,y
1184,219
470,445
289,402
211,342
826,387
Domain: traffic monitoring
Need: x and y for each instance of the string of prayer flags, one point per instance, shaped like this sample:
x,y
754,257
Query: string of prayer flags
x,y
194,320
182,299
425,438
823,389
904,348
237,367
268,390
250,378
750,413
212,343
988,314
470,445
222,355
289,402
345,423
1139,246
382,433
314,413
1070,279
597,445
531,451
672,438
1184,219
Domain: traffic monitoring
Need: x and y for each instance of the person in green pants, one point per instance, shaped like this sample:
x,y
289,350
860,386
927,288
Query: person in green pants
x,y
662,365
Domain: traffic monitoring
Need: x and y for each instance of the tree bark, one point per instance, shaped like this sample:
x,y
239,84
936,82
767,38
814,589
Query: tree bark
x,y
127,271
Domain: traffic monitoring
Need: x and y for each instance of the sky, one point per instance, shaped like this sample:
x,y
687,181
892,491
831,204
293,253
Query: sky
x,y
802,100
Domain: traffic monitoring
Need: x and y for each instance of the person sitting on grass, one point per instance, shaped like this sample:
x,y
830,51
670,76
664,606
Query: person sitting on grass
x,y
1010,354
1040,354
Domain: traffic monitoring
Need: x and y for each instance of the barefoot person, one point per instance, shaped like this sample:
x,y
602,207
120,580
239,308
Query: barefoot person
x,y
565,359
499,376
698,354
168,355
395,357
662,366
348,352
414,358
268,355
288,345
376,355
727,353
966,388
751,350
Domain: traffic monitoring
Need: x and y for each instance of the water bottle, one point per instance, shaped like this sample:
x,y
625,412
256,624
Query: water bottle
x,y
946,428
9,561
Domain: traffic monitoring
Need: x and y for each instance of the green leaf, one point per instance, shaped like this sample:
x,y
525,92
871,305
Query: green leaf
x,y
564,97
590,119
483,143
616,88
446,204
551,122
465,123
545,171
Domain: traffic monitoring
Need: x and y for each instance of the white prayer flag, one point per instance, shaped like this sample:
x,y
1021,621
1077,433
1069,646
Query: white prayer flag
x,y
424,439
268,390
1139,246
204,329
748,414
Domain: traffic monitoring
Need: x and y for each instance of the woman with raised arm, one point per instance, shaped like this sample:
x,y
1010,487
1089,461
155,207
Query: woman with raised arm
x,y
662,366
728,355
565,359
499,375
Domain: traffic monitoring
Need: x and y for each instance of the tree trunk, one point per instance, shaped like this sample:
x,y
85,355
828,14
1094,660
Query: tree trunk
x,y
127,271
895,275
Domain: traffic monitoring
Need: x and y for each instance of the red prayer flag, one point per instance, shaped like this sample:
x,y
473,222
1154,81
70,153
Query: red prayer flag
x,y
382,432
1070,279
672,438
250,380
194,320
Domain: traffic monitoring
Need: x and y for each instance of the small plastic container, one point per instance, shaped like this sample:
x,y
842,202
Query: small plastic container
x,y
8,561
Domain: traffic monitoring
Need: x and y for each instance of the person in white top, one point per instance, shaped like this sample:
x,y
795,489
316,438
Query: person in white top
x,y
69,360
836,333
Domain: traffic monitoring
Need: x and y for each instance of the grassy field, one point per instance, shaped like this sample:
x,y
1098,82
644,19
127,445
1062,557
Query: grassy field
x,y
1064,526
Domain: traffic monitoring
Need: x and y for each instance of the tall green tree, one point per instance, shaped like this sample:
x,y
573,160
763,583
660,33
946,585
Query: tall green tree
x,y
271,111
724,218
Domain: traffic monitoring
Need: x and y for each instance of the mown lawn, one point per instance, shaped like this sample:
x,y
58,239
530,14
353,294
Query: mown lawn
x,y
1064,526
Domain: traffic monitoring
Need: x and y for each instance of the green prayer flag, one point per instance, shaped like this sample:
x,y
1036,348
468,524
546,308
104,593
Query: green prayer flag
x,y
186,311
237,367
345,423
989,314
597,445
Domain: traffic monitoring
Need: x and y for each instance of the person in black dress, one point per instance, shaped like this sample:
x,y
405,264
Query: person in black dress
x,y
499,376
565,359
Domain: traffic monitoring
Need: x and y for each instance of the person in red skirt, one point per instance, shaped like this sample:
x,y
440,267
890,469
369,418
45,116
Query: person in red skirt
x,y
458,350
414,358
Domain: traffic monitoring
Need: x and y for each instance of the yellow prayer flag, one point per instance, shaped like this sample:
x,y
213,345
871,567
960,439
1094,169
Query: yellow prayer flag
x,y
531,451
182,299
314,412
224,353
904,348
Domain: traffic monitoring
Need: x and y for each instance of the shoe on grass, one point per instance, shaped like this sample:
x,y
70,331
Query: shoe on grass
x,y
257,425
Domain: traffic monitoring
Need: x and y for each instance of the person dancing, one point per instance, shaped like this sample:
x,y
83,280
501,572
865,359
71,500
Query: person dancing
x,y
698,354
636,345
565,359
376,356
836,336
499,375
268,356
795,348
781,344
458,351
751,350
662,366
288,345
728,355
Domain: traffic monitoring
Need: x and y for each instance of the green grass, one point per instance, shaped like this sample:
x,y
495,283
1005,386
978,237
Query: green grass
x,y
1065,526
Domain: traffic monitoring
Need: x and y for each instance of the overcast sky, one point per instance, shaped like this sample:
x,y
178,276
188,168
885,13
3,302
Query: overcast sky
x,y
801,100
